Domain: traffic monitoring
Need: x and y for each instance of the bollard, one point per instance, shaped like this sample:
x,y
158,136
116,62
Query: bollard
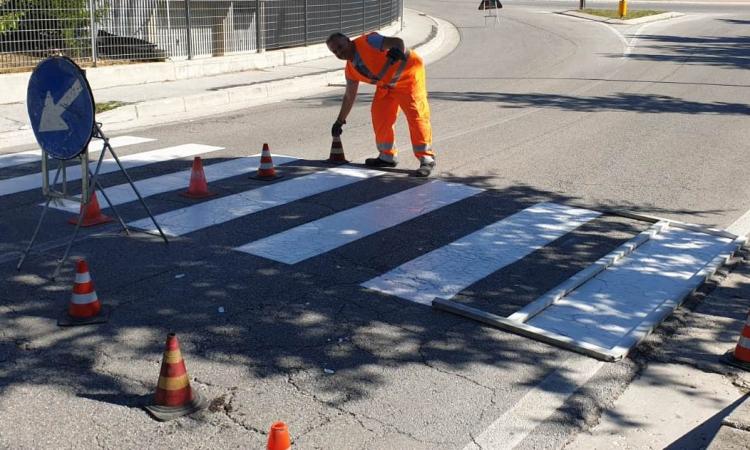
x,y
623,8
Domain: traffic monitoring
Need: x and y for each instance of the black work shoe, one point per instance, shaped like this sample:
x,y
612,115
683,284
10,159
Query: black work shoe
x,y
377,162
425,169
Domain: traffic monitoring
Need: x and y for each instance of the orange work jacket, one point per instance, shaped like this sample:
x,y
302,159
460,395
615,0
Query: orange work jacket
x,y
372,66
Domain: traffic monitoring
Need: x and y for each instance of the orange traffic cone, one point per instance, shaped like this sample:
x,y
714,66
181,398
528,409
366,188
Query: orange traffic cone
x,y
266,171
198,187
84,307
92,215
741,355
174,398
278,437
337,152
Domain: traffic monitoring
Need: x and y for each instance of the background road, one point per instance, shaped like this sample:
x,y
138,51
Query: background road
x,y
538,107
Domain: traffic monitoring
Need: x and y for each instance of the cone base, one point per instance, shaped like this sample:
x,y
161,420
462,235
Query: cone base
x,y
165,413
92,221
196,195
266,177
65,320
336,161
728,358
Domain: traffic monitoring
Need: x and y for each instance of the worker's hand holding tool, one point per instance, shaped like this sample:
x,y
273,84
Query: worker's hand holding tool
x,y
336,129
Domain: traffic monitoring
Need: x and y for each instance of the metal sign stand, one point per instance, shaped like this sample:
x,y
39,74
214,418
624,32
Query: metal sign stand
x,y
89,183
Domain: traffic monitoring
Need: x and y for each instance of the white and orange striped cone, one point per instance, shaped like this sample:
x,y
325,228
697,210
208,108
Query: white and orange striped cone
x,y
198,187
84,307
174,397
266,171
92,214
337,152
740,357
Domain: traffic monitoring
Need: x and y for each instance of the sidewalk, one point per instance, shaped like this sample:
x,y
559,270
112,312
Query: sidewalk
x,y
682,397
174,91
685,397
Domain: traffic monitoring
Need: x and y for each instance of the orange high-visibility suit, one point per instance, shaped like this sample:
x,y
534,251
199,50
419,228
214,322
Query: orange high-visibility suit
x,y
400,84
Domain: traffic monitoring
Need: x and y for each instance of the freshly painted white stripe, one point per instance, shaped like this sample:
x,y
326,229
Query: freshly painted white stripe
x,y
446,271
214,212
82,299
537,405
83,277
34,180
124,193
16,159
121,141
607,308
323,235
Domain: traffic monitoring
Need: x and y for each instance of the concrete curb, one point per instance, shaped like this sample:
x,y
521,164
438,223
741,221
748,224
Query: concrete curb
x,y
654,18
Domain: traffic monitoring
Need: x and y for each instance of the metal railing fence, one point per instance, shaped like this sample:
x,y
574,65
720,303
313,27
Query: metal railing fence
x,y
97,32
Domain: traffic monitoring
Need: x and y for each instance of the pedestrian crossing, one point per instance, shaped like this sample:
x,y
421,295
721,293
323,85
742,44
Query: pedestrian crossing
x,y
602,311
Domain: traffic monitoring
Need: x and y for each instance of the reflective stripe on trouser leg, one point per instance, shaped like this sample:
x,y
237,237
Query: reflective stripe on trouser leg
x,y
417,111
384,111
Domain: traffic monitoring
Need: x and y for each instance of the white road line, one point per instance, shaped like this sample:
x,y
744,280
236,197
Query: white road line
x,y
326,234
215,212
34,180
16,159
446,271
123,193
537,405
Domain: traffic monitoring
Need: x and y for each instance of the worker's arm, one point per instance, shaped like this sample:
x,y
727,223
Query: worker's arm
x,y
346,106
395,48
393,42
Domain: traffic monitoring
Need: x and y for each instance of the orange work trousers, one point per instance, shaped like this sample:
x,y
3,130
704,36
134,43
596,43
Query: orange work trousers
x,y
412,99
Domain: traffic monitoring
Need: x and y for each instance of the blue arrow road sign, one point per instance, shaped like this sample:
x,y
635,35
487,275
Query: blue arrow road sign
x,y
61,107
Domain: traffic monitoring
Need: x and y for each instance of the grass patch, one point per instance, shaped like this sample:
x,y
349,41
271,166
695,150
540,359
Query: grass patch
x,y
106,106
612,13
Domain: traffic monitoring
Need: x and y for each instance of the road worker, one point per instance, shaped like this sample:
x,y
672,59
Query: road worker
x,y
399,76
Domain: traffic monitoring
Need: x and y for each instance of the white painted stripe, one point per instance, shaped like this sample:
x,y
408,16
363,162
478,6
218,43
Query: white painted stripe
x,y
215,212
83,277
537,405
610,306
16,159
34,180
123,193
323,235
83,299
446,271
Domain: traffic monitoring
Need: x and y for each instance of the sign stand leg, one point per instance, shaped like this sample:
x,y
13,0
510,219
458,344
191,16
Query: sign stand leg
x,y
44,212
85,200
107,146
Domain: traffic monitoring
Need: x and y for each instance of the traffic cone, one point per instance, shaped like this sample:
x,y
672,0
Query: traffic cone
x,y
741,355
278,437
198,187
337,152
84,307
266,171
92,215
174,398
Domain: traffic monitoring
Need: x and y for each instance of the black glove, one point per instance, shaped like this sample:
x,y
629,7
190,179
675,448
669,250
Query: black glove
x,y
396,54
336,128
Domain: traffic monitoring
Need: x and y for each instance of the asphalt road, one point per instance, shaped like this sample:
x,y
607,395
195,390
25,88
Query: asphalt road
x,y
539,107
